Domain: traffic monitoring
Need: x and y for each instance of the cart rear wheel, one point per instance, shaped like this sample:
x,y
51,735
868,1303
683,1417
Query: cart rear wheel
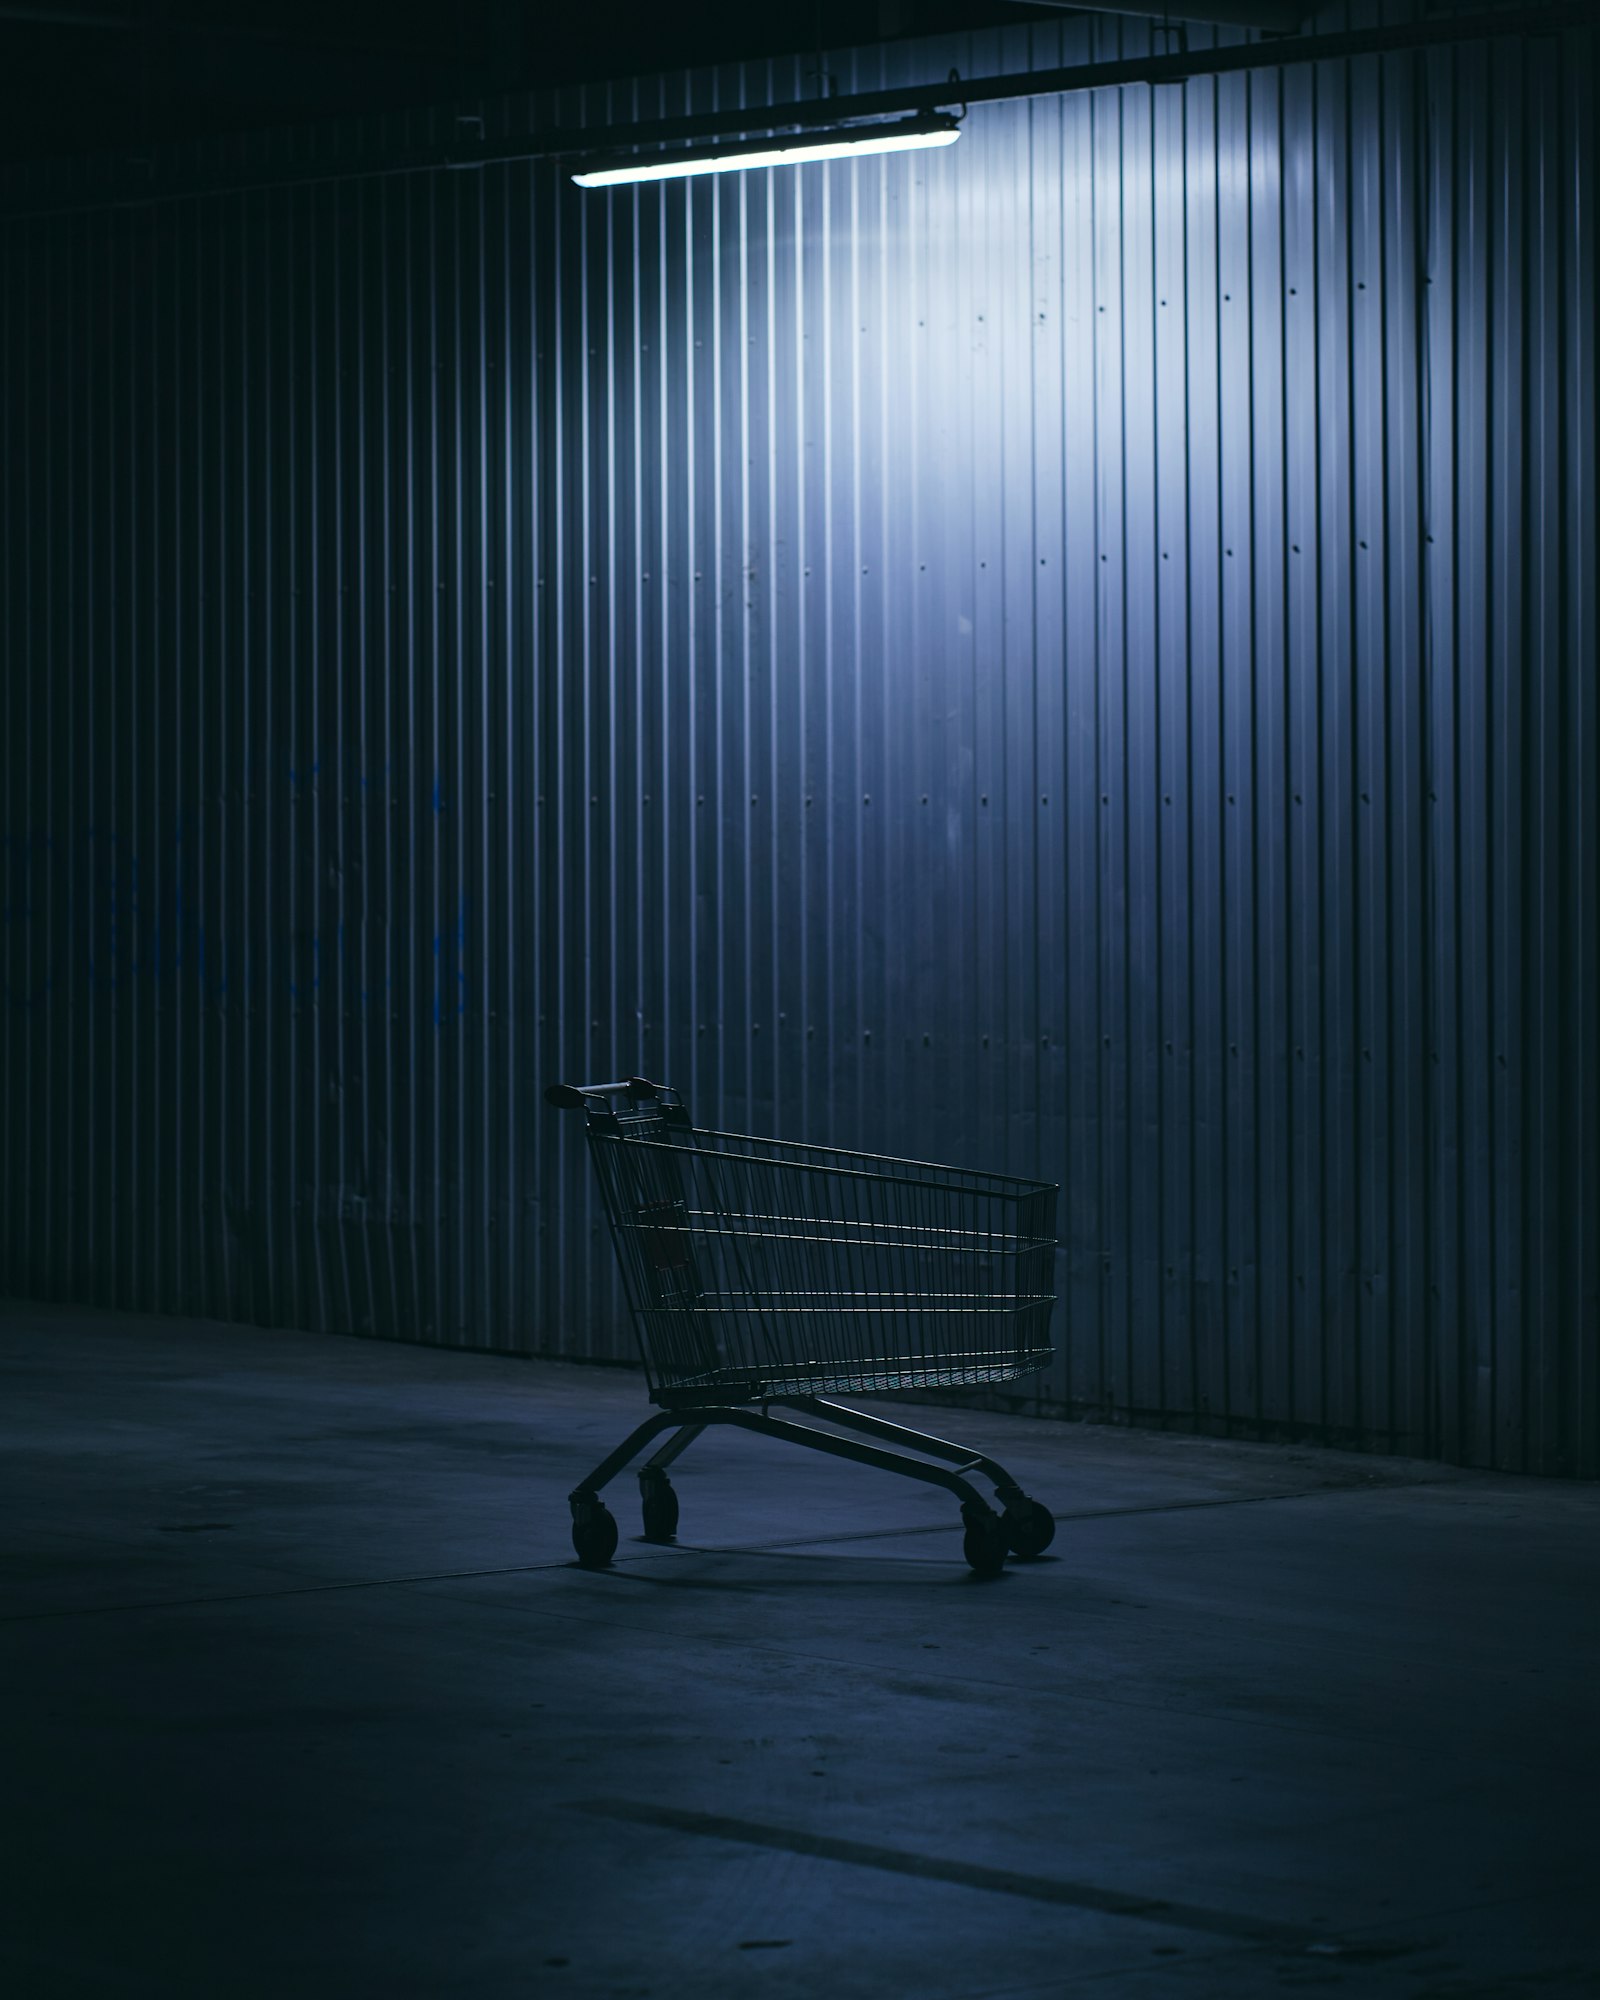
x,y
1030,1527
660,1510
594,1534
985,1546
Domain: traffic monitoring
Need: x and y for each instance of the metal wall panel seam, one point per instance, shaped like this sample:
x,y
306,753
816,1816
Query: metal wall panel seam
x,y
1545,832
1578,124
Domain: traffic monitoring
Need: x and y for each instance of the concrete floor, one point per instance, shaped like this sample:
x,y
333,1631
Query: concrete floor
x,y
305,1696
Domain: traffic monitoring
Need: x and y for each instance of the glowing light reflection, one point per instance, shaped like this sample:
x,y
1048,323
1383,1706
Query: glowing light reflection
x,y
797,152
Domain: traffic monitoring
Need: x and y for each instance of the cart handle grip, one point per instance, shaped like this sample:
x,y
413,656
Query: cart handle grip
x,y
573,1096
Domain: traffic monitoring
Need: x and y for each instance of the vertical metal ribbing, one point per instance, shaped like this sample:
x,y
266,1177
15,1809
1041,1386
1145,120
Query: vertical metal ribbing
x,y
1089,669
1579,67
11,656
1243,360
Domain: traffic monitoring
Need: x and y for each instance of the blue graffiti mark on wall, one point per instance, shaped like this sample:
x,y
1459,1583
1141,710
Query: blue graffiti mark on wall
x,y
450,951
324,774
31,868
88,913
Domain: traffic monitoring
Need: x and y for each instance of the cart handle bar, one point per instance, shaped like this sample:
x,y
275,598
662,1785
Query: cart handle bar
x,y
573,1096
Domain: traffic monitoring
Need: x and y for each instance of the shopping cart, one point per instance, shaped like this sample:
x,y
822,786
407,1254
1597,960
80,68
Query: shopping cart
x,y
761,1272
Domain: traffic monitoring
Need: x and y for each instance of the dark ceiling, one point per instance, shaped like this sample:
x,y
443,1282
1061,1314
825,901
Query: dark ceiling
x,y
93,75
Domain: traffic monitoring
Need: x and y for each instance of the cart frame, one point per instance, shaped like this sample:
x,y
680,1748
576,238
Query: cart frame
x,y
667,1299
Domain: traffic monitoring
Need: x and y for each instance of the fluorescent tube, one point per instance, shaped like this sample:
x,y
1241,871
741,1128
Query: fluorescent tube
x,y
795,151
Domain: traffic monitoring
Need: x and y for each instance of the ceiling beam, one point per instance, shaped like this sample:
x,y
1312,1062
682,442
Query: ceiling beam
x,y
574,142
65,17
1281,17
212,30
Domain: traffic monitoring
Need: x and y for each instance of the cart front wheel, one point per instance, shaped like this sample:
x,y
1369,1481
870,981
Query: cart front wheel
x,y
660,1510
1030,1528
594,1534
985,1546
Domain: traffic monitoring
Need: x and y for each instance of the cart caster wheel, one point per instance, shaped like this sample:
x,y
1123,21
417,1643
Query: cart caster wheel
x,y
985,1545
1030,1527
660,1510
594,1534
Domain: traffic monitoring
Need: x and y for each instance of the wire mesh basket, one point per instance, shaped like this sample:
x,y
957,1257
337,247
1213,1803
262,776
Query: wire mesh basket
x,y
760,1267
763,1270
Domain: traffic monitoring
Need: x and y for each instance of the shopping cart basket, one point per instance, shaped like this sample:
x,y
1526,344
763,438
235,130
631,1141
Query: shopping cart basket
x,y
763,1273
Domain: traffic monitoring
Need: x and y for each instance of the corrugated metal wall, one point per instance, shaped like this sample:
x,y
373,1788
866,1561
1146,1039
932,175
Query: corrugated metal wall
x,y
1075,653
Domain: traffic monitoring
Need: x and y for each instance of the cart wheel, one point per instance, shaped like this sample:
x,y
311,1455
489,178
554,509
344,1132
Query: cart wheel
x,y
660,1510
985,1545
594,1534
1030,1527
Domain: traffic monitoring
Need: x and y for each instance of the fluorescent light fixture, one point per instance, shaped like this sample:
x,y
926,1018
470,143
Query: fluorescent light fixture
x,y
739,156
